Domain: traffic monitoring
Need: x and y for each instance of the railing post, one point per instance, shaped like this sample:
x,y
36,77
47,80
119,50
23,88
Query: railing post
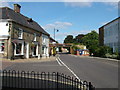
x,y
91,86
57,80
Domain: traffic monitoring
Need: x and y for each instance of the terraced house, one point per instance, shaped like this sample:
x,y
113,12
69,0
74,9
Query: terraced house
x,y
21,36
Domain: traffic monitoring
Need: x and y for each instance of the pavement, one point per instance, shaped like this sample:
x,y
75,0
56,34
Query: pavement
x,y
4,63
33,64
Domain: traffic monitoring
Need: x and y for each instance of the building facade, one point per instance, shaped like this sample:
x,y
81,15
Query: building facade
x,y
109,35
20,36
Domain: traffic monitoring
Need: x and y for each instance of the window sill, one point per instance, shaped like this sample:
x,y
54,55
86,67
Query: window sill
x,y
18,54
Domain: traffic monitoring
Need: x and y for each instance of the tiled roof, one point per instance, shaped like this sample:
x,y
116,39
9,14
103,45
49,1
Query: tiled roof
x,y
7,13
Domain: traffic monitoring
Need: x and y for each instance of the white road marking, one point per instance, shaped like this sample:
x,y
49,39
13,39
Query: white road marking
x,y
58,62
75,56
69,69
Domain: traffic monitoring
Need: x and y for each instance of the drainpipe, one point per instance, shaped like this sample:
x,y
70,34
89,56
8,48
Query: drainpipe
x,y
12,33
119,36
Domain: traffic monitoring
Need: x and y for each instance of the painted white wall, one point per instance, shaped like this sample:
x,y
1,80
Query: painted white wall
x,y
111,35
45,43
45,40
4,29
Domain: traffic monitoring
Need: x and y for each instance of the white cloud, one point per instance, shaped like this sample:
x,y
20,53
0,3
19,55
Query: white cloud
x,y
113,4
88,3
4,4
79,4
58,25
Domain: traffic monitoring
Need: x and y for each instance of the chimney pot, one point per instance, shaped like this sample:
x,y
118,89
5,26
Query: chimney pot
x,y
17,8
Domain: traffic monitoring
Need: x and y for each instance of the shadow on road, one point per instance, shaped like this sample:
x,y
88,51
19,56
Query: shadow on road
x,y
23,83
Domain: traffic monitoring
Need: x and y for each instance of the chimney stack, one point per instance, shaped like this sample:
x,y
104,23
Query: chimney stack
x,y
17,8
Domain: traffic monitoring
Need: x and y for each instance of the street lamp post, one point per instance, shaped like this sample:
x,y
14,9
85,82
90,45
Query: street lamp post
x,y
54,32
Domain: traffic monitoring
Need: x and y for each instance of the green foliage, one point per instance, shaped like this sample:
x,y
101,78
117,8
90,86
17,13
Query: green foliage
x,y
78,38
91,41
114,56
75,47
69,39
102,51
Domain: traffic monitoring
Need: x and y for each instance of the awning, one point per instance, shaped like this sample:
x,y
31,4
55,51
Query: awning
x,y
14,41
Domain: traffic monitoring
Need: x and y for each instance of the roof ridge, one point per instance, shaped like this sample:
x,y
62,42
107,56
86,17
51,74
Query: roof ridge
x,y
22,19
4,7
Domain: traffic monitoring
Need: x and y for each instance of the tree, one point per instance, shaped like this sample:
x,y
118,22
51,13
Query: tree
x,y
69,39
78,38
91,41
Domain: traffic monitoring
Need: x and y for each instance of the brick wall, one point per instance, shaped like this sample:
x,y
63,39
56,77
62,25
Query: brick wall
x,y
101,36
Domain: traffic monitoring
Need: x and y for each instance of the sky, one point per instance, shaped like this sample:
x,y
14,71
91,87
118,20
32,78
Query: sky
x,y
70,18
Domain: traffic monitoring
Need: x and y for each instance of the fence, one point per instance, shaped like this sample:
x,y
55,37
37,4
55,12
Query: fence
x,y
20,80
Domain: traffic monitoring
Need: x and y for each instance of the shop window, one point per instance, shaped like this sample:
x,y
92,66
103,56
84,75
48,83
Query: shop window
x,y
19,48
2,47
42,50
34,50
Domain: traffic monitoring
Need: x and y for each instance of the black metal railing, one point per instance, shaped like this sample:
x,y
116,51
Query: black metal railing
x,y
36,80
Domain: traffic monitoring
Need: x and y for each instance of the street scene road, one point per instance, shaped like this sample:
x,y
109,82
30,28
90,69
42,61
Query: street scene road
x,y
66,39
102,73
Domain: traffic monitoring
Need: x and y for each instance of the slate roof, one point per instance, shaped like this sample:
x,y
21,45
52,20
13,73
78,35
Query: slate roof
x,y
7,13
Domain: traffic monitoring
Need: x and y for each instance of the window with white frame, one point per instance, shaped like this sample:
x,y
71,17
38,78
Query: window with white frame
x,y
19,48
35,50
2,46
20,34
35,37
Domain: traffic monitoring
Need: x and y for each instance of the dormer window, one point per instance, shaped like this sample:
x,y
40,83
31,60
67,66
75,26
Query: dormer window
x,y
34,36
20,34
